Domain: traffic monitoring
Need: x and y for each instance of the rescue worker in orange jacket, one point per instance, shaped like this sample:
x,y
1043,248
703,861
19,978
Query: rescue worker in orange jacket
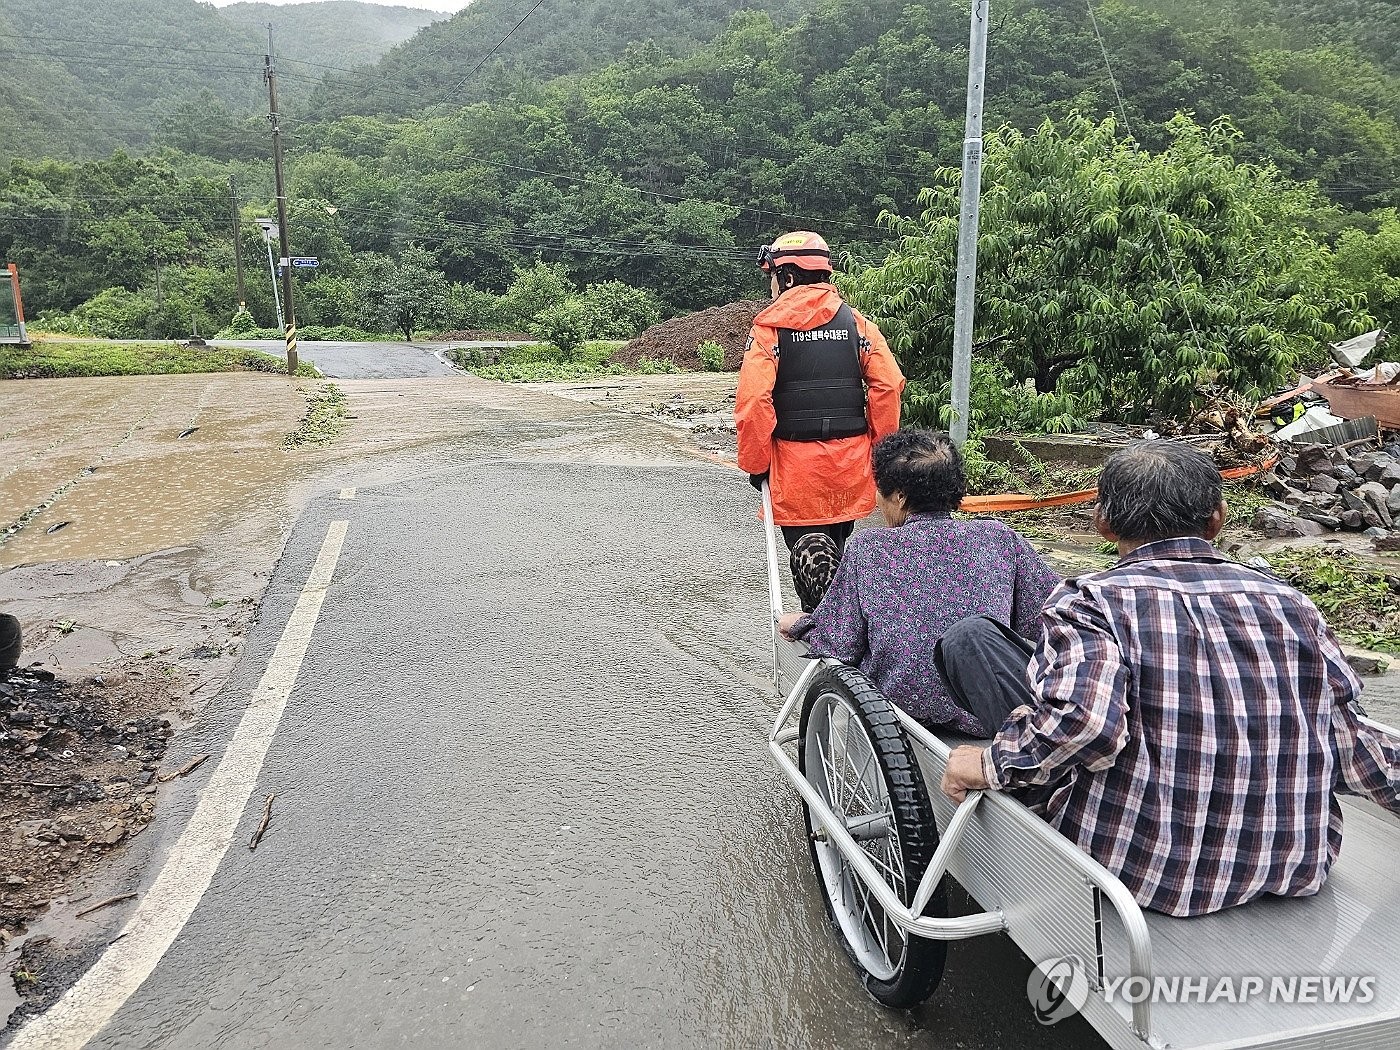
x,y
818,387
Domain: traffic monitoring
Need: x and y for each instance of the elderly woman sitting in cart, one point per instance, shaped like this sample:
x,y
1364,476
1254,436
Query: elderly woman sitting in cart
x,y
897,590
1186,719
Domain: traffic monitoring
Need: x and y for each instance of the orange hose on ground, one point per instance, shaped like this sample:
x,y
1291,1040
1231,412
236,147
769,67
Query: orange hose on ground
x,y
1014,501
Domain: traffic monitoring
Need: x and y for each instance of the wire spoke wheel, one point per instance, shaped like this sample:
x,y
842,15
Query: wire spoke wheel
x,y
855,755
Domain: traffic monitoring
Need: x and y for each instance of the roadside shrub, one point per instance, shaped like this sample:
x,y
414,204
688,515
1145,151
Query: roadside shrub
x,y
240,327
565,325
474,309
615,310
534,291
711,356
999,402
115,313
335,333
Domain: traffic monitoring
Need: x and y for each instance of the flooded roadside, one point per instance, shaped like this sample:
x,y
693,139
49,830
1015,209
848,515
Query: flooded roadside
x,y
642,808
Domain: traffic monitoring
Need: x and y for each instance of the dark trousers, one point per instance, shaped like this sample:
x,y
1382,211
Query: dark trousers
x,y
983,663
840,533
9,641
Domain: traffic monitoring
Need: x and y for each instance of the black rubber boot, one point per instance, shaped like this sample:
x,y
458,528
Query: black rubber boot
x,y
9,641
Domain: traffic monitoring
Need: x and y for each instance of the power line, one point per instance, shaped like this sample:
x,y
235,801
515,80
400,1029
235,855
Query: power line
x,y
1156,217
461,83
572,177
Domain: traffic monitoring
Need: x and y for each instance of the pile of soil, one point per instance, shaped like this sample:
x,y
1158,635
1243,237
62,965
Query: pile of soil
x,y
78,766
472,335
677,340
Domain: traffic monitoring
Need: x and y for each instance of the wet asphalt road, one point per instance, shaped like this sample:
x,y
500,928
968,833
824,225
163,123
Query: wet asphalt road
x,y
522,792
368,360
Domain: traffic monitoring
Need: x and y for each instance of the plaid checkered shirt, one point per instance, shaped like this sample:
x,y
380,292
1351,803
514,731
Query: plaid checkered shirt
x,y
1195,717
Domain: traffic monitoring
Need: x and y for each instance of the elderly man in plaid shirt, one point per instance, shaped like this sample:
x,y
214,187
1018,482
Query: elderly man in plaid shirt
x,y
1185,719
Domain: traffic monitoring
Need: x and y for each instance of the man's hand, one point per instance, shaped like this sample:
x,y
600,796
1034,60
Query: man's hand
x,y
757,480
964,773
787,622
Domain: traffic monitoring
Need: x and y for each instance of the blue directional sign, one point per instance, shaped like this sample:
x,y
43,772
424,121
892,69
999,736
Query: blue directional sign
x,y
306,263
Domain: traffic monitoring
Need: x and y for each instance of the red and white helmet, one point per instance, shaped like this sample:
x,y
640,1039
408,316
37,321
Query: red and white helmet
x,y
801,248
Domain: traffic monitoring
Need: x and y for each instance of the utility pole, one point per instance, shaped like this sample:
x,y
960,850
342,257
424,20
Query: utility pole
x,y
289,313
969,224
237,246
155,258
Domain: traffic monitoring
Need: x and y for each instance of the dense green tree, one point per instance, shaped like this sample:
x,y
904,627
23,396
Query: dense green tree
x,y
1122,277
400,293
1371,262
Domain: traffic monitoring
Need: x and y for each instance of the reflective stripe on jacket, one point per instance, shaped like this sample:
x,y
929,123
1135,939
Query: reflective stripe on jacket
x,y
813,482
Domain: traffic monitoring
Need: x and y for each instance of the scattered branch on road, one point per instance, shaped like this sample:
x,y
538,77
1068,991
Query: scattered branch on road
x,y
266,820
31,784
105,904
185,770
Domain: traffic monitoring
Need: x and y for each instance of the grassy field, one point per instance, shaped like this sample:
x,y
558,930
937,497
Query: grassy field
x,y
61,359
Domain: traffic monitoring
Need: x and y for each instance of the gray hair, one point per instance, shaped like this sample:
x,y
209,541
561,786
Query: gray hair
x,y
1156,490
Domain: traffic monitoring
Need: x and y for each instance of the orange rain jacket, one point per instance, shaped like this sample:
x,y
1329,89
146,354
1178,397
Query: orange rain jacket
x,y
813,482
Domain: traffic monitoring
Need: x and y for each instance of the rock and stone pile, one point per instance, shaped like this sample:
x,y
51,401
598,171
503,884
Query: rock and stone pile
x,y
678,339
1319,490
74,782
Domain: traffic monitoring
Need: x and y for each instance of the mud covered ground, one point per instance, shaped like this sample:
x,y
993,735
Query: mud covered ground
x,y
679,338
79,775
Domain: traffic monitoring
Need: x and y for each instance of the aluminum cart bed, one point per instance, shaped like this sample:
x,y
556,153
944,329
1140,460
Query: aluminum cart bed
x,y
1057,903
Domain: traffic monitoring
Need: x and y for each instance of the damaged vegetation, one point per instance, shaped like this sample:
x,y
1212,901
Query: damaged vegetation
x,y
1360,601
55,359
547,363
324,420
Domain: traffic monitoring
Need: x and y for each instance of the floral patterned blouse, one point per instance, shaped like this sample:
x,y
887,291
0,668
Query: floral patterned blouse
x,y
897,590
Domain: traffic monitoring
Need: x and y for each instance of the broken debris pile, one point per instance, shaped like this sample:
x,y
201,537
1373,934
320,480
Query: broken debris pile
x,y
1318,490
678,340
72,782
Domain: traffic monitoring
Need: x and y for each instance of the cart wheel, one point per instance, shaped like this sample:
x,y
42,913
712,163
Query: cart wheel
x,y
854,753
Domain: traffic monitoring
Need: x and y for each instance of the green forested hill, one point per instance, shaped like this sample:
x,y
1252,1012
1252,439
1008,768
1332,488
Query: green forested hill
x,y
661,165
82,78
1372,27
70,85
334,32
559,37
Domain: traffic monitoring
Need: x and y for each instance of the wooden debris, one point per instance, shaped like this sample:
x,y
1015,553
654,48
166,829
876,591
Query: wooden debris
x,y
105,904
33,784
185,770
266,820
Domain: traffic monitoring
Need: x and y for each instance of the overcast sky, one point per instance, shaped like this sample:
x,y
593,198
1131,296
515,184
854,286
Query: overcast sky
x,y
431,5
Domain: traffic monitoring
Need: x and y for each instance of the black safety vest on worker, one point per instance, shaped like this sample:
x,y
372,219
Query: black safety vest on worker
x,y
819,394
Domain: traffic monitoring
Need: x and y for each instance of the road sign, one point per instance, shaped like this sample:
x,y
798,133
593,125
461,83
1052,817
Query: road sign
x,y
306,263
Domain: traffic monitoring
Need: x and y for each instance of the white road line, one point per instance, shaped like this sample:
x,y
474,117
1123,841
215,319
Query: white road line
x,y
165,907
347,493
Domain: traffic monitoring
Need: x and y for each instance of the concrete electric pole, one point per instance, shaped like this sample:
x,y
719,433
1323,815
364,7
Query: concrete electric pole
x,y
969,224
289,312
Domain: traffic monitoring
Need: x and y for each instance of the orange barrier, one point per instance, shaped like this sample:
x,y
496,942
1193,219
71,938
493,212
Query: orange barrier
x,y
1011,501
